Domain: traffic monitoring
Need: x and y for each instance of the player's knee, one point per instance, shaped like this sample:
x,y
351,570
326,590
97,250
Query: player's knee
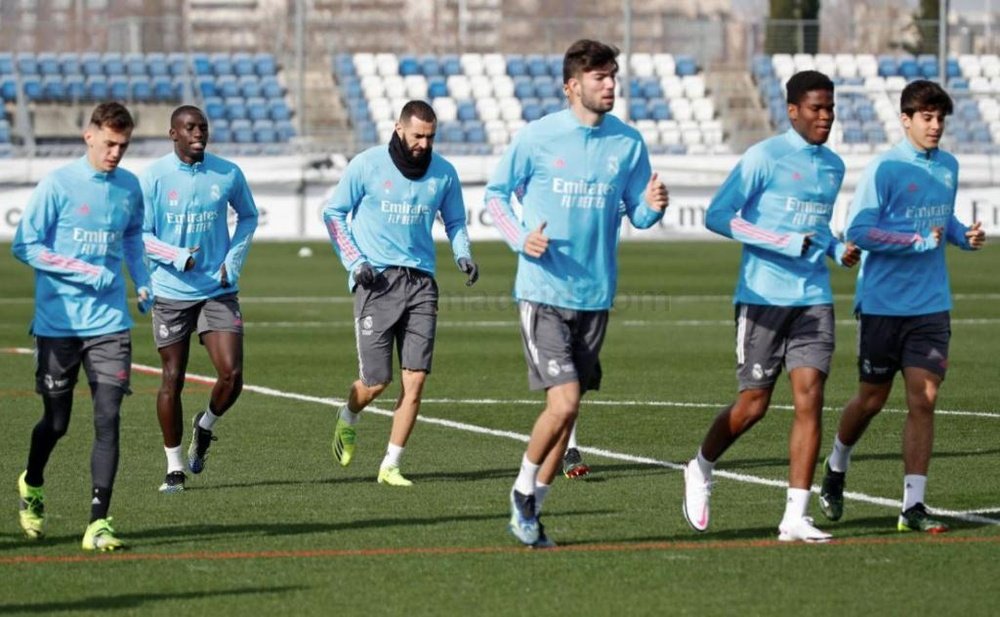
x,y
173,380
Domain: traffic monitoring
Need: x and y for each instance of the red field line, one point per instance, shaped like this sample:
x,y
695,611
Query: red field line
x,y
486,550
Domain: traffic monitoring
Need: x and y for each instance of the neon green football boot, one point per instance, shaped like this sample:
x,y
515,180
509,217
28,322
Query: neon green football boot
x,y
32,508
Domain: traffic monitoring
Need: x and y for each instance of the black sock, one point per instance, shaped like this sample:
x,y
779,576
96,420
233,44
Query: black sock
x,y
100,503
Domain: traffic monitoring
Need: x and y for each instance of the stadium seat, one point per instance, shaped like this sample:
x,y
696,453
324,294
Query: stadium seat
x,y
118,87
6,63
76,89
242,131
228,86
516,65
265,64
250,86
264,131
156,64
243,65
177,63
222,64
163,89
135,64
430,67
8,87
97,88
140,89
27,63
48,64
451,65
53,89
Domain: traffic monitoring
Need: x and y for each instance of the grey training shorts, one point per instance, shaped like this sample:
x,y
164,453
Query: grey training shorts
x,y
107,359
175,320
562,345
399,308
888,343
771,337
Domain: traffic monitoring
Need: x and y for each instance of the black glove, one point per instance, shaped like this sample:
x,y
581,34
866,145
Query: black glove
x,y
470,269
364,275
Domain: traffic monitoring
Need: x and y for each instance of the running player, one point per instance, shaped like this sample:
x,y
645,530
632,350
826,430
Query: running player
x,y
82,221
196,268
777,202
902,215
393,195
571,171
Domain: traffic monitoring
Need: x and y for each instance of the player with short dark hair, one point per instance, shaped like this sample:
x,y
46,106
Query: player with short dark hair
x,y
902,215
196,268
778,202
393,195
82,221
571,171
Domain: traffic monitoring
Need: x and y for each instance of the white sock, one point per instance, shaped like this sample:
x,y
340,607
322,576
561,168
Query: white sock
x,y
525,483
392,456
175,459
348,416
796,503
572,437
704,465
913,490
840,457
208,420
541,491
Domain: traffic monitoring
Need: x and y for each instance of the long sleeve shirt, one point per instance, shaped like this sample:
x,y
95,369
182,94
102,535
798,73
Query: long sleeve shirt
x,y
186,208
78,228
391,216
580,181
904,194
782,189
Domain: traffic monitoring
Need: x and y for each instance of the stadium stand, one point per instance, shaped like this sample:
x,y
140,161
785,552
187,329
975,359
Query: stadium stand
x,y
868,89
483,99
230,87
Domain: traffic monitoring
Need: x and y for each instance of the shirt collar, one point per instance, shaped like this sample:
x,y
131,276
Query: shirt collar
x,y
94,172
906,146
184,166
799,142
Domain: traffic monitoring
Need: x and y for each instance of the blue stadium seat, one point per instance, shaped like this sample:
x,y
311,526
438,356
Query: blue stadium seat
x,y
279,110
215,108
430,66
97,88
177,62
91,64
118,87
685,65
366,133
243,64
69,63
140,89
634,88
222,64
135,65
8,87
236,109
524,87
113,63
556,66
156,64
4,131
357,110
651,89
265,65
163,89
537,65
551,105
451,132
76,88
250,86
475,133
271,89
202,64
207,87
53,89
909,68
450,65
227,86
343,65
516,66
219,131
637,110
408,65
6,63
547,87
264,132
27,63
436,87
762,67
659,110
48,64
257,109
285,130
32,87
242,131
466,110
958,84
531,109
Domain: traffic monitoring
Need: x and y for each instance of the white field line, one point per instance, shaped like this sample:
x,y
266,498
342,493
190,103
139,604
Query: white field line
x,y
968,516
627,323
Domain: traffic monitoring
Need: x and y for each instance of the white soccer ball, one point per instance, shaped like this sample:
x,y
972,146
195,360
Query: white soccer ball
x,y
305,251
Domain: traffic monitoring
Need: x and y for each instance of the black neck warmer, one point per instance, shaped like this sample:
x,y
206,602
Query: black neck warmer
x,y
412,168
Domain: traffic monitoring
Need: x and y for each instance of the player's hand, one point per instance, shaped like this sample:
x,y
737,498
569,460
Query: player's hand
x,y
807,242
976,236
103,279
364,275
657,195
470,269
224,276
852,255
190,260
537,242
937,233
145,299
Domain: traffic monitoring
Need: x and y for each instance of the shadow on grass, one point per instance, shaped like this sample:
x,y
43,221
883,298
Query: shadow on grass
x,y
173,535
130,601
748,463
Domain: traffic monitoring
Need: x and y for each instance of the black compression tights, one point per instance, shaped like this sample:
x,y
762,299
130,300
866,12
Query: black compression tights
x,y
55,420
